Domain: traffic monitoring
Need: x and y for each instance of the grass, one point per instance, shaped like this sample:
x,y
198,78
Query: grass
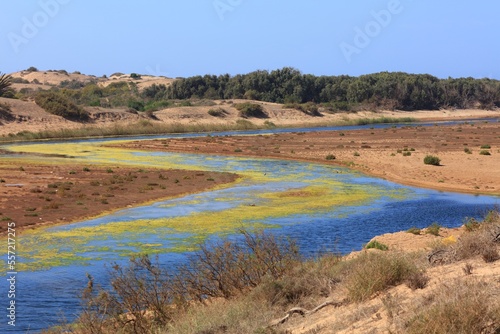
x,y
460,307
414,230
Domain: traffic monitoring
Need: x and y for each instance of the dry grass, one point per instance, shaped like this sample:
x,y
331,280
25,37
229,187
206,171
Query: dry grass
x,y
461,307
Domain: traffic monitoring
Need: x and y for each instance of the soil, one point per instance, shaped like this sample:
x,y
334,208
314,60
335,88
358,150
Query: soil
x,y
36,195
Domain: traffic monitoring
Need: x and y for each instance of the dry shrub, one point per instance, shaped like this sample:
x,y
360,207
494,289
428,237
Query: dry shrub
x,y
304,284
482,240
461,307
226,269
143,297
373,272
417,280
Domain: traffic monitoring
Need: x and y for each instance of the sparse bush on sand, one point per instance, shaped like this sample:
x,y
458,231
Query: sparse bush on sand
x,y
432,160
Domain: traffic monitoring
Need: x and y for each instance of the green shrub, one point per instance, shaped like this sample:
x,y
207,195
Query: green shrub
x,y
467,150
414,230
330,157
376,245
485,147
432,160
433,229
484,152
135,76
250,110
60,105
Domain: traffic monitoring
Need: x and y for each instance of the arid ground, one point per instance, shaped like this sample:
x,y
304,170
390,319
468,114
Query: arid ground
x,y
35,194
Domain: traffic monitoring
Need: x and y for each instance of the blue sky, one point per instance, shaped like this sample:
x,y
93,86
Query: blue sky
x,y
184,38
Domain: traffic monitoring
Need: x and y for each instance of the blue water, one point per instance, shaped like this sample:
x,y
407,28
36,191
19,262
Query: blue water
x,y
44,297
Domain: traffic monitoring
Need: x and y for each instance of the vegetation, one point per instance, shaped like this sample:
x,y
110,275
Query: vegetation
x,y
5,83
376,245
484,152
250,110
217,112
380,90
433,229
432,160
58,104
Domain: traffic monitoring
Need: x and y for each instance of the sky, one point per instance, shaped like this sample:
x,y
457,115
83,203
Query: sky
x,y
174,38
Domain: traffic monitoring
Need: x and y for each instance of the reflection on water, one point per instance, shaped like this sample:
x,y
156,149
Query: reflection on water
x,y
322,207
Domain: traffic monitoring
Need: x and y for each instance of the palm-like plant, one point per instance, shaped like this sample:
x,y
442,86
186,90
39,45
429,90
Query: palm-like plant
x,y
5,82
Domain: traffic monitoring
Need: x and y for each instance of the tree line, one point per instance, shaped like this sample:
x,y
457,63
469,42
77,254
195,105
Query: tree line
x,y
396,90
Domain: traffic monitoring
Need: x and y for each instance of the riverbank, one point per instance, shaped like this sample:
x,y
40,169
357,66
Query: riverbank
x,y
34,194
469,152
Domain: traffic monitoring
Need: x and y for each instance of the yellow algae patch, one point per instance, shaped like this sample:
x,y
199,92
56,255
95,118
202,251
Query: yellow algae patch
x,y
48,247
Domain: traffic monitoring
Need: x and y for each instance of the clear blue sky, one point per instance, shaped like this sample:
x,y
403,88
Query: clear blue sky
x,y
189,37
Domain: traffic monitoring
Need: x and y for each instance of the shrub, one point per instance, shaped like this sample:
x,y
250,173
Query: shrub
x,y
374,272
485,147
250,110
467,150
60,105
330,157
484,152
217,112
461,307
432,160
414,230
376,245
433,229
31,69
135,76
417,280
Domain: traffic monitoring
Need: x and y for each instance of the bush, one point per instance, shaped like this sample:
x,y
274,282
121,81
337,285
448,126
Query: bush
x,y
485,147
218,112
135,76
461,307
484,152
250,110
330,157
467,150
414,230
432,160
60,105
376,245
31,69
433,229
374,272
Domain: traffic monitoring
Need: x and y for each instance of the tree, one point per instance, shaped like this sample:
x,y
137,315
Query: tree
x,y
5,83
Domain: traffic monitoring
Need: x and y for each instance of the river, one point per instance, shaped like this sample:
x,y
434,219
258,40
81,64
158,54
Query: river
x,y
320,206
